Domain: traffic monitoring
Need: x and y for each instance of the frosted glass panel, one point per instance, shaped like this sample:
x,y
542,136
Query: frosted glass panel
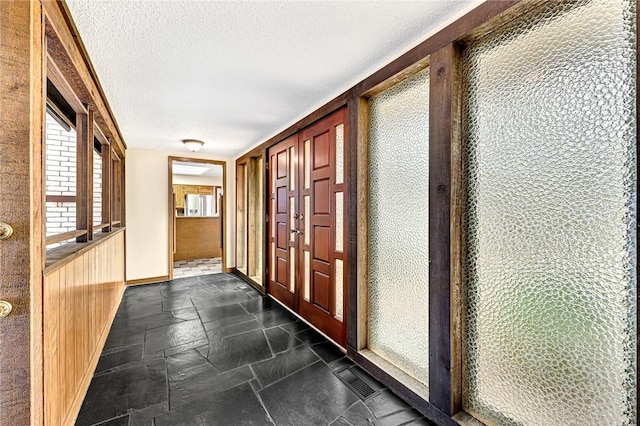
x,y
550,297
292,269
307,164
339,221
307,277
340,153
307,220
292,168
399,225
273,222
339,288
292,221
273,261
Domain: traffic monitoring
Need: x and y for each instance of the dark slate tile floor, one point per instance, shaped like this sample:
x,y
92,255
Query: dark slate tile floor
x,y
211,350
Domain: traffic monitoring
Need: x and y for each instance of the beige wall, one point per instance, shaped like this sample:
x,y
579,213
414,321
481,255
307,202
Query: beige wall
x,y
147,211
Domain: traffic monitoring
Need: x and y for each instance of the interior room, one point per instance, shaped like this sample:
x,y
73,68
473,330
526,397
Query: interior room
x,y
319,213
197,198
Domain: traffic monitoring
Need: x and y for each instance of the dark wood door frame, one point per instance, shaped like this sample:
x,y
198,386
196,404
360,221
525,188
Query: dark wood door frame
x,y
171,207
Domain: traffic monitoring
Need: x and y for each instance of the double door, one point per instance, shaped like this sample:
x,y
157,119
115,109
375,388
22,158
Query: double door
x,y
307,224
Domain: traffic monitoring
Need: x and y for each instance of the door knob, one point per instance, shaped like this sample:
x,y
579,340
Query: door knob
x,y
5,231
5,308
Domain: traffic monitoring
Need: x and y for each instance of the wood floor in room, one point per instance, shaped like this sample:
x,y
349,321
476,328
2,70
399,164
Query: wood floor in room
x,y
211,350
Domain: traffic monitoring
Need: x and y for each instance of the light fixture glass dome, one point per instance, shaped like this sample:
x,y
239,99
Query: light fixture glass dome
x,y
193,145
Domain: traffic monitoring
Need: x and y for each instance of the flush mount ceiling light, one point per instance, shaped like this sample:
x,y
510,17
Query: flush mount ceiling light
x,y
193,145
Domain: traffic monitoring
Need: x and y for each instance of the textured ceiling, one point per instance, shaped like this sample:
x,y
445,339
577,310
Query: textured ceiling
x,y
235,73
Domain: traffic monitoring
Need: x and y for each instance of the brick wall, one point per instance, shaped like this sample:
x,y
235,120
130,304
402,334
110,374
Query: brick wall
x,y
61,169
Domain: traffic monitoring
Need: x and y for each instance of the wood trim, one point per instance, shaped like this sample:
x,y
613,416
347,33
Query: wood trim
x,y
58,238
101,226
60,198
151,280
358,279
101,137
171,212
443,79
106,186
66,48
55,75
83,196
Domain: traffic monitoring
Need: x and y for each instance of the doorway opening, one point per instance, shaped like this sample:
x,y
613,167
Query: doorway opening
x,y
196,217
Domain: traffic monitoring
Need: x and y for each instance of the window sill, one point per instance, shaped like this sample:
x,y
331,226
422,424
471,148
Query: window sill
x,y
60,256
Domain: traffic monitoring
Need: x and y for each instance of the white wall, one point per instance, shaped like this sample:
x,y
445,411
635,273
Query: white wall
x,y
147,218
197,180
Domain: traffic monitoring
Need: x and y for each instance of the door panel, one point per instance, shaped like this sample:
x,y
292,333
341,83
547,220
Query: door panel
x,y
305,276
319,307
282,204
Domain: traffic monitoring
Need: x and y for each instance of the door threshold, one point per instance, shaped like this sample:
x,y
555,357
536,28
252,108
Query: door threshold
x,y
297,315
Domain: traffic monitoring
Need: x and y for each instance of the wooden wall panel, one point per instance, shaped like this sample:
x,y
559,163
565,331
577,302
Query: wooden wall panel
x,y
80,301
197,238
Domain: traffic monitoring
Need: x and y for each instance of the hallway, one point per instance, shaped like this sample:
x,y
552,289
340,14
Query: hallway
x,y
211,350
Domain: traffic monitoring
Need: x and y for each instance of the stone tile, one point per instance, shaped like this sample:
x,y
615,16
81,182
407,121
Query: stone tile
x,y
119,358
215,313
243,327
185,347
115,394
201,389
420,422
397,418
327,351
187,366
385,403
358,415
236,406
259,304
311,337
226,353
274,317
280,340
230,297
340,422
124,336
295,327
271,370
120,421
173,335
341,364
218,325
174,304
312,396
144,417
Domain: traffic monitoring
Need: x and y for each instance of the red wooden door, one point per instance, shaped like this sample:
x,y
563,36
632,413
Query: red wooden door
x,y
307,222
282,207
322,207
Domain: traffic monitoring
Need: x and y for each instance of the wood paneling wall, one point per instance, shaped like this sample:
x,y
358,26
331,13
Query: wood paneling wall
x,y
198,238
81,298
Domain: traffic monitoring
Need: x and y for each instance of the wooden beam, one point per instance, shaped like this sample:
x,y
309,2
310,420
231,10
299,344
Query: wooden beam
x,y
83,200
60,198
21,122
55,75
106,186
66,48
58,238
443,133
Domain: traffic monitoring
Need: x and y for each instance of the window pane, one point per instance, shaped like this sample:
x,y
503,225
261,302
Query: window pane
x,y
97,188
60,175
550,298
399,225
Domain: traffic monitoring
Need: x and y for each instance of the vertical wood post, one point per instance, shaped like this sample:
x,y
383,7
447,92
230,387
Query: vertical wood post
x,y
106,186
84,175
444,148
21,255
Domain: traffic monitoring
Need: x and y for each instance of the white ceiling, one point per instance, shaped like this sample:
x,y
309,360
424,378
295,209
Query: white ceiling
x,y
235,73
196,169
